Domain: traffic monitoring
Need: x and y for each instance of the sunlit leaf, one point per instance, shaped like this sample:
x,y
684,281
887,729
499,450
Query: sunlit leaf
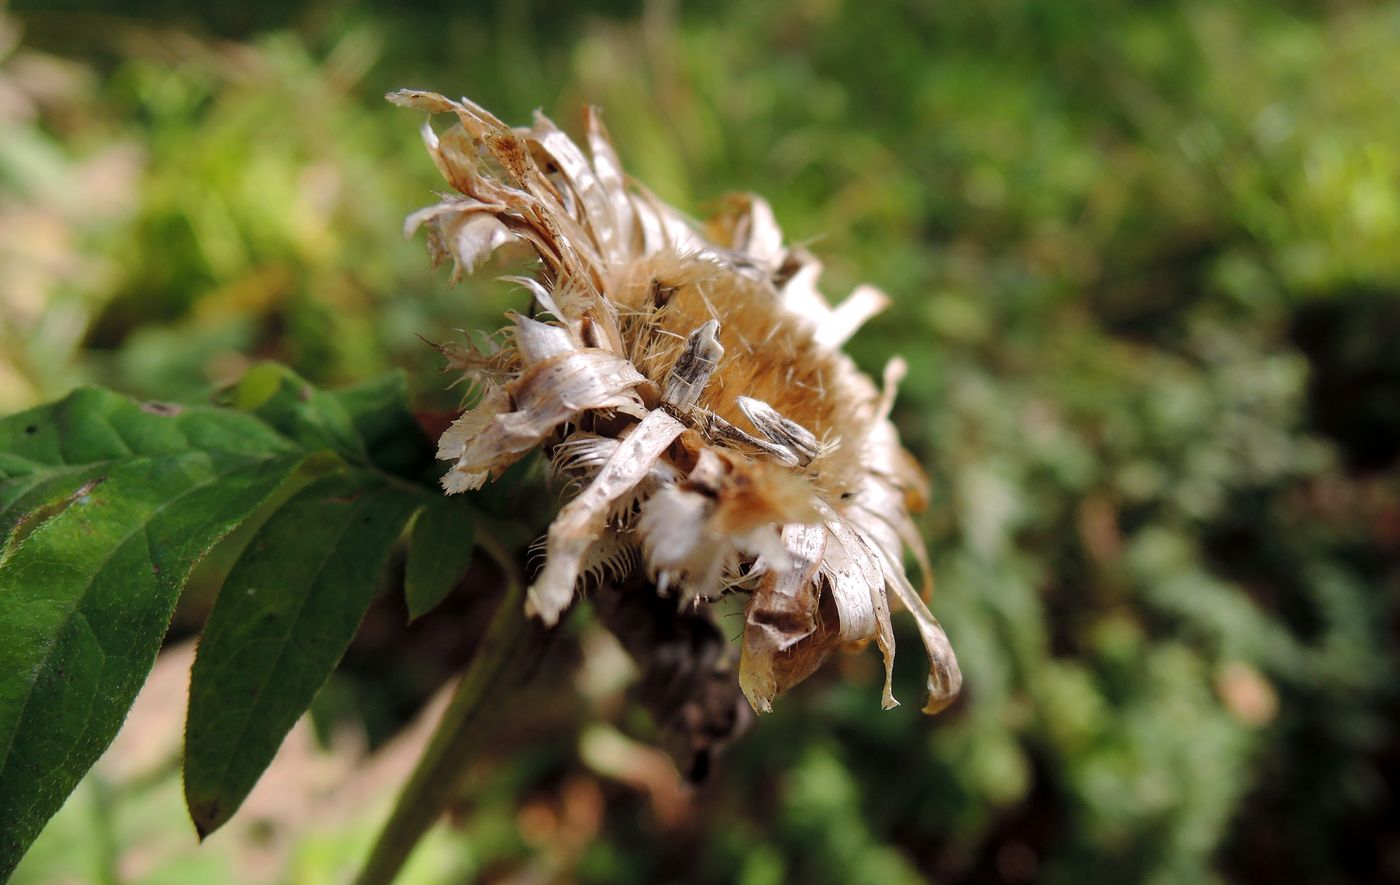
x,y
107,505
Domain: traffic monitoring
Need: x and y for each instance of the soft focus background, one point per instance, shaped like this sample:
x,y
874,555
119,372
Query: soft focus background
x,y
1146,267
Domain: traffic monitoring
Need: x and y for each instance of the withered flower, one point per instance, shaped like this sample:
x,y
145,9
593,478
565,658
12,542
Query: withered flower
x,y
687,382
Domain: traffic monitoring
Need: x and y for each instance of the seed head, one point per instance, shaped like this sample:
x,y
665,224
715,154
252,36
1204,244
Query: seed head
x,y
688,380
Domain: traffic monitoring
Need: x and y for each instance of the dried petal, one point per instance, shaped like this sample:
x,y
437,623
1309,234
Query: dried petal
x,y
746,225
614,184
545,395
584,183
467,427
944,676
583,519
862,572
850,571
782,613
800,295
837,327
555,389
470,238
538,341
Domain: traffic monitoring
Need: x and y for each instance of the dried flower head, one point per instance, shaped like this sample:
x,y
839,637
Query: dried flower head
x,y
688,382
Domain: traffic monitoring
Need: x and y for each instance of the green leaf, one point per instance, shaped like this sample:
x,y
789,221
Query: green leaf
x,y
106,504
291,405
439,551
392,437
64,444
368,424
284,617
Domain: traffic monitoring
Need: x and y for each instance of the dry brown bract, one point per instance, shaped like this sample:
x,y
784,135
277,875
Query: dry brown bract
x,y
689,381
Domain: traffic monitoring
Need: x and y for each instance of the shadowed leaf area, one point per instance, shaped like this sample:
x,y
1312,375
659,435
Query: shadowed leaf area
x,y
284,617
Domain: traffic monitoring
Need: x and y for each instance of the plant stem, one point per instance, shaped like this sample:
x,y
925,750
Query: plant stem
x,y
508,656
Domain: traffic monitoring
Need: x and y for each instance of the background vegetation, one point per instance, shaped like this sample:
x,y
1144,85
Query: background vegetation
x,y
1146,266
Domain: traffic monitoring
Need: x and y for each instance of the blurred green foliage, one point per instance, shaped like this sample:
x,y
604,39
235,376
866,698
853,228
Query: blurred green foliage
x,y
1146,266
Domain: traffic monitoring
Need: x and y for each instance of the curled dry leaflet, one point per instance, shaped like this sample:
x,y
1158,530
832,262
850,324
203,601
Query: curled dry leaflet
x,y
686,381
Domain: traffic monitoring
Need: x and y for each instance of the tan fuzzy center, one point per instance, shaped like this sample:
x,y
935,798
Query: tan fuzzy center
x,y
769,354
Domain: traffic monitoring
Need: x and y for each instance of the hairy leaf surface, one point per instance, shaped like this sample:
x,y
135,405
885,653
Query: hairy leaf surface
x,y
106,505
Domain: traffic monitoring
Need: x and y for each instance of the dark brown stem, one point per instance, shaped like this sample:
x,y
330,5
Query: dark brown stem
x,y
688,683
